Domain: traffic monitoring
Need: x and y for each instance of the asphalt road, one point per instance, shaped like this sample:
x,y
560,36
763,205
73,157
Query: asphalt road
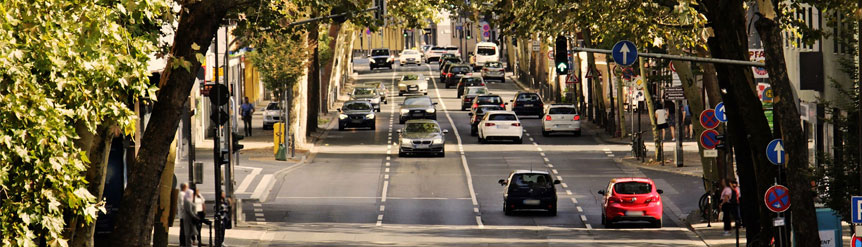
x,y
357,191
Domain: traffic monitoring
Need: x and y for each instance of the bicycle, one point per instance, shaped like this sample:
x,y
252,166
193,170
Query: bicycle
x,y
707,204
638,146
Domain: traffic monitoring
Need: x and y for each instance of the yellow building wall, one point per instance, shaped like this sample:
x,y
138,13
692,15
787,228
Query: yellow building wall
x,y
253,87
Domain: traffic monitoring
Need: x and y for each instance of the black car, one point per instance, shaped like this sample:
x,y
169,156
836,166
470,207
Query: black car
x,y
445,56
380,58
488,99
444,67
526,103
356,113
417,107
477,114
470,93
469,81
421,136
529,189
454,72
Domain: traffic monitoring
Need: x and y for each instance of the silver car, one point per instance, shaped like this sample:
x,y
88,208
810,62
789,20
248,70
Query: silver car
x,y
494,71
421,136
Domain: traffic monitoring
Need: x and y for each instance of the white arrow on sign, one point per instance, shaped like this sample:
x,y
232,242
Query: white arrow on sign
x,y
625,51
562,66
779,150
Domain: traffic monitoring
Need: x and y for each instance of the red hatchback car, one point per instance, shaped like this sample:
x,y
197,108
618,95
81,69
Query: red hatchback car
x,y
631,199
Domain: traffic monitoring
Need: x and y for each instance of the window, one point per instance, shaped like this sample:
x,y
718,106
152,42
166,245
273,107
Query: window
x,y
379,52
357,106
471,81
417,101
630,188
480,90
272,106
486,50
410,77
503,117
421,127
489,100
410,52
451,48
528,97
364,91
562,110
493,65
460,69
532,180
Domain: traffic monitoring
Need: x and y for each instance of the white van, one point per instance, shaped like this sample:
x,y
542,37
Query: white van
x,y
485,52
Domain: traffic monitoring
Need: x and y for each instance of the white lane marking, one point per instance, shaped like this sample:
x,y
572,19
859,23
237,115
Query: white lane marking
x,y
385,189
258,210
243,186
554,171
387,170
589,227
584,218
258,204
261,186
379,217
540,150
388,158
574,200
580,210
525,133
559,177
382,207
610,155
564,185
550,165
535,144
258,215
385,176
546,159
476,210
387,163
460,143
542,153
568,192
531,139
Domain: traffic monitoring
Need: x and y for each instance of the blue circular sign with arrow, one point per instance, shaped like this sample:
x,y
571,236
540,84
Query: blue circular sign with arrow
x,y
719,112
775,152
625,53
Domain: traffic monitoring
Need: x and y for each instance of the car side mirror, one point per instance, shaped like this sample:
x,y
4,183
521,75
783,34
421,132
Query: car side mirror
x,y
511,100
556,181
445,131
398,131
339,109
502,182
385,102
435,103
470,114
506,103
659,191
601,192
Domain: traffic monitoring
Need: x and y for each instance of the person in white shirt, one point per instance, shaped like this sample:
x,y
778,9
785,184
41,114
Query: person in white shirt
x,y
184,188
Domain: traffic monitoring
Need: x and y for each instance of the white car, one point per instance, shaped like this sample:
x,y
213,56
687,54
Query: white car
x,y
271,115
501,125
561,118
413,84
410,57
485,52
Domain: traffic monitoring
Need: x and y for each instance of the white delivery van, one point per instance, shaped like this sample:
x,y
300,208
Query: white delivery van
x,y
485,52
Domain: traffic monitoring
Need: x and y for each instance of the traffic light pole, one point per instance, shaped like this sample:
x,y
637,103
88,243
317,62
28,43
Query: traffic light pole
x,y
217,157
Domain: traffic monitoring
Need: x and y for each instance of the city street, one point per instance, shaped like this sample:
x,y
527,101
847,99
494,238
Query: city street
x,y
357,191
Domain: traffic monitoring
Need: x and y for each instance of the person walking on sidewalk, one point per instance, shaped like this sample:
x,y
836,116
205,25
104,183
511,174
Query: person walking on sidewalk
x,y
686,123
730,204
247,111
200,210
189,220
184,189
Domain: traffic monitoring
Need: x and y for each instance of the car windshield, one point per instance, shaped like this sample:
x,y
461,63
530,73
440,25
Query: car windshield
x,y
357,106
503,117
409,77
421,127
528,97
410,52
379,52
480,90
489,100
417,101
438,49
630,188
451,48
532,180
470,81
272,106
486,50
493,65
562,110
460,69
364,91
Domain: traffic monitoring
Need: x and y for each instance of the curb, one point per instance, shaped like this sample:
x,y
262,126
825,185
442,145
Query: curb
x,y
635,164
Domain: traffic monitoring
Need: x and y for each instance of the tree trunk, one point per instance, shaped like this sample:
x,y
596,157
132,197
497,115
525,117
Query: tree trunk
x,y
197,25
334,30
650,106
162,220
98,148
722,168
798,169
745,112
313,77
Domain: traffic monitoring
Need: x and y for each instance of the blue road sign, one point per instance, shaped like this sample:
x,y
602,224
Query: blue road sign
x,y
777,198
625,53
856,209
719,112
857,241
708,120
775,152
709,139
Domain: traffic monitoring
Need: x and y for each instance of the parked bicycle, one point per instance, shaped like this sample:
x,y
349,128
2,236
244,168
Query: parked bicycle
x,y
638,146
708,202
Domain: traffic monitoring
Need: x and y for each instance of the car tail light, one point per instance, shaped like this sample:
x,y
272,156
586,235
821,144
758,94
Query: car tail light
x,y
652,199
485,70
475,104
466,99
503,105
482,84
548,118
576,118
516,124
489,124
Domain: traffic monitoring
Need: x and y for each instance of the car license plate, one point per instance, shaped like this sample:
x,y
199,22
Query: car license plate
x,y
356,121
502,126
532,202
423,146
411,59
634,213
528,105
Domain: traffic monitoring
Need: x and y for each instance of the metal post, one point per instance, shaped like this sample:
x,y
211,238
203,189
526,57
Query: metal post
x,y
187,125
228,169
679,127
859,82
216,147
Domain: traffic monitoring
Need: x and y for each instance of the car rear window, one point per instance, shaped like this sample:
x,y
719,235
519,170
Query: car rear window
x,y
562,110
357,106
272,106
486,50
451,48
489,100
477,91
417,101
493,65
364,91
503,117
460,69
528,97
531,180
438,49
410,77
470,81
380,52
410,52
630,188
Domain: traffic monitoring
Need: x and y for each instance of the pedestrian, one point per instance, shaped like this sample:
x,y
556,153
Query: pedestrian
x,y
225,219
661,119
184,188
200,210
247,111
190,219
671,119
687,123
729,204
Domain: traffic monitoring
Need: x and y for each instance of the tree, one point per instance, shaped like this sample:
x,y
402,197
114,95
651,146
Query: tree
x,y
70,70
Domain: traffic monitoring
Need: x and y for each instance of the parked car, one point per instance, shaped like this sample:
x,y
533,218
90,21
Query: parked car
x,y
529,189
631,199
470,93
380,58
478,114
488,99
501,125
561,118
381,88
527,103
369,94
485,52
494,71
417,107
356,113
271,115
410,57
468,80
413,84
421,136
454,73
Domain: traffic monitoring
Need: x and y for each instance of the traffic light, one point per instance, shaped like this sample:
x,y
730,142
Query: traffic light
x,y
235,146
380,13
219,96
404,32
561,56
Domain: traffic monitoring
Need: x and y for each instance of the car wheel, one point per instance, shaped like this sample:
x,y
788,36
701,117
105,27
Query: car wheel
x,y
400,94
545,133
340,127
506,210
401,154
578,133
441,154
390,67
604,221
656,224
426,93
447,85
373,126
378,109
472,132
553,211
401,121
519,140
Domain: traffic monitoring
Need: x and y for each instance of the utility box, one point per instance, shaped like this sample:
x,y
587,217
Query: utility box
x,y
829,226
277,138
